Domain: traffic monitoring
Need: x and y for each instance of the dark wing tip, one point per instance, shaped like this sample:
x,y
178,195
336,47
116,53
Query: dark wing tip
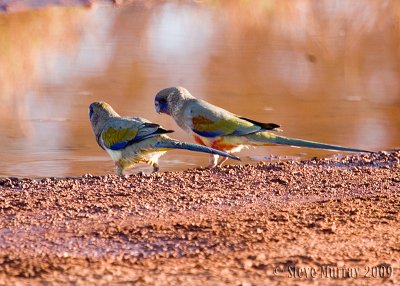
x,y
160,130
235,157
266,126
164,131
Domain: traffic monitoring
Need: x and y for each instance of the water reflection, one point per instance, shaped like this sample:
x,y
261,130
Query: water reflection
x,y
180,38
324,70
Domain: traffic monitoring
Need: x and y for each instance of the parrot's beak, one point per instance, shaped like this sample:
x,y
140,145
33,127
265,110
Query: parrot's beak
x,y
157,107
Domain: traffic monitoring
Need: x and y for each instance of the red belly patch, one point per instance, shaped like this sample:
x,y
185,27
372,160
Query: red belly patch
x,y
222,145
199,140
219,144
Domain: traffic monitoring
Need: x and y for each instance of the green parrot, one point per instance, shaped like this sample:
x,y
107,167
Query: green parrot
x,y
220,129
131,140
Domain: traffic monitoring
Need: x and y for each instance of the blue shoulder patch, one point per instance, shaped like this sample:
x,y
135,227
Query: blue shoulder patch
x,y
208,133
119,145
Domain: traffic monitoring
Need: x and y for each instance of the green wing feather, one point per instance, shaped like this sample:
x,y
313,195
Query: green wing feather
x,y
208,120
226,126
122,132
115,139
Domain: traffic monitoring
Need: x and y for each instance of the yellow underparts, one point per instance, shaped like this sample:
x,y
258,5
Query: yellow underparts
x,y
147,156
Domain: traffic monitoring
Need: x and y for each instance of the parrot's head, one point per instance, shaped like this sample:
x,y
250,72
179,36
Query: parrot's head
x,y
170,99
99,113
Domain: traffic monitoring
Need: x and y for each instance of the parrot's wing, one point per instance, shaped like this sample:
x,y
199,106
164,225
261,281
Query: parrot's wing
x,y
211,121
264,126
123,132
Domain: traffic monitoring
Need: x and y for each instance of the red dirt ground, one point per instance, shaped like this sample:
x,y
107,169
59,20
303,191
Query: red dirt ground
x,y
325,222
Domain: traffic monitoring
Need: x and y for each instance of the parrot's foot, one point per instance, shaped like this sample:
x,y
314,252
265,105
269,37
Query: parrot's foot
x,y
156,167
212,166
223,160
119,169
213,161
143,174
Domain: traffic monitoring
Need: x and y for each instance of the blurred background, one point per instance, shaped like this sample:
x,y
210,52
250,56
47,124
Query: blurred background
x,y
324,70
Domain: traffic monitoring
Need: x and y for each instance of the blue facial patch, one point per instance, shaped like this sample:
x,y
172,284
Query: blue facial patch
x,y
90,113
163,106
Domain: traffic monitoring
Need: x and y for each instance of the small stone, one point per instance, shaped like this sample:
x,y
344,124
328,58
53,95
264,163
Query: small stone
x,y
261,257
247,264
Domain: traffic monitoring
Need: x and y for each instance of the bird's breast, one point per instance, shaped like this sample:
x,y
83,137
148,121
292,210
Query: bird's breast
x,y
115,155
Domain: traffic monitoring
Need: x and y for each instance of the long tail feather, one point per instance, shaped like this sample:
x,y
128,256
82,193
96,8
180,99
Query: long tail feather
x,y
174,144
270,138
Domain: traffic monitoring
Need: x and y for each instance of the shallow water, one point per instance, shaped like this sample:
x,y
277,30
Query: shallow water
x,y
325,71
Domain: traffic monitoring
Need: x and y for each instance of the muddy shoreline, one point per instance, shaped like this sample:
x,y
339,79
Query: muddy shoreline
x,y
269,223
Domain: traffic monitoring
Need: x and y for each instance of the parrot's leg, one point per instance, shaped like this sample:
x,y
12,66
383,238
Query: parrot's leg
x,y
223,160
213,161
119,169
156,167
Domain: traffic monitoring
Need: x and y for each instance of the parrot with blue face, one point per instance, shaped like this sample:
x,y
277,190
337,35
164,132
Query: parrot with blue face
x,y
131,140
220,129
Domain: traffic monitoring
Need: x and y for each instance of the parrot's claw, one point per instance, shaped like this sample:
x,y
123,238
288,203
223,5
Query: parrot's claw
x,y
212,166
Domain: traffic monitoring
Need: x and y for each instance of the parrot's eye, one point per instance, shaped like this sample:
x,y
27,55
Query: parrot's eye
x,y
162,101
